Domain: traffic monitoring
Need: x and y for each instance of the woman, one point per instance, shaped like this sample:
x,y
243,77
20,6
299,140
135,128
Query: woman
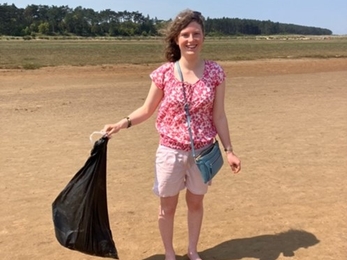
x,y
204,85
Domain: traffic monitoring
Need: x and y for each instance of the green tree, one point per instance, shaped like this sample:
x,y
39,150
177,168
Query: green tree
x,y
44,28
87,22
11,20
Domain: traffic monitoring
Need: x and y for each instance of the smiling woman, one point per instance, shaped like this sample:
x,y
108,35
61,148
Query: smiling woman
x,y
186,90
182,20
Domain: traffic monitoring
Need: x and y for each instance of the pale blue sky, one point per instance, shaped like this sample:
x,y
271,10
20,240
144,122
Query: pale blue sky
x,y
329,14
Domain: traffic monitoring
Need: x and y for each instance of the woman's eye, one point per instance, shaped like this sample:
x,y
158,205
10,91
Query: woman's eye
x,y
186,35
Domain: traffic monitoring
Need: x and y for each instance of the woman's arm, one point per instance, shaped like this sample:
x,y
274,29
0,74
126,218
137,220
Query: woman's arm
x,y
221,122
139,115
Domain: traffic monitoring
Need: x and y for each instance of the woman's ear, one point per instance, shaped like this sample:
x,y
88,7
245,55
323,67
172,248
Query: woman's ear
x,y
176,40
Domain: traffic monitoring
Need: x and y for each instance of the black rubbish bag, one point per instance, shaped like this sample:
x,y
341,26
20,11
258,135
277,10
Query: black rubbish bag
x,y
80,213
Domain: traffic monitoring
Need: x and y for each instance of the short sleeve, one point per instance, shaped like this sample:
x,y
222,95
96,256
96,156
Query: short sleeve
x,y
219,74
160,75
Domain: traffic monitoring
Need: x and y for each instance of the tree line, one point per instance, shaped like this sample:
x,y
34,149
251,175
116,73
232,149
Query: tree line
x,y
63,20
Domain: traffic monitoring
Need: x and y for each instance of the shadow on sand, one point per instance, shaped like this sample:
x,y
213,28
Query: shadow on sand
x,y
265,247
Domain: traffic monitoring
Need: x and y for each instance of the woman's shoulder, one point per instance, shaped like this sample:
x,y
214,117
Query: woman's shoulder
x,y
214,68
167,66
161,74
213,65
215,72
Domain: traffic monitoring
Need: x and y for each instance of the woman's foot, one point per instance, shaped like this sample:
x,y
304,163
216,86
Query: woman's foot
x,y
170,256
193,256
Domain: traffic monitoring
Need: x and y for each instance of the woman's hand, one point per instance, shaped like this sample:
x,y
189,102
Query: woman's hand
x,y
234,162
111,129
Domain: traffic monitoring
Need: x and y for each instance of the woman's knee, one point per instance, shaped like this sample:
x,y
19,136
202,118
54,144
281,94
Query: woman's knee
x,y
194,202
168,206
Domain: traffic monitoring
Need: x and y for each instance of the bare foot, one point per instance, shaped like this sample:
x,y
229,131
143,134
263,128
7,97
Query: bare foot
x,y
193,256
170,256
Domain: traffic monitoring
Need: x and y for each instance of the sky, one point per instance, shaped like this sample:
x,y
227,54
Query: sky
x,y
328,14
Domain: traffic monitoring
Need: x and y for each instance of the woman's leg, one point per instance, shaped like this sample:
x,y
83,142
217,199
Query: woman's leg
x,y
195,215
166,216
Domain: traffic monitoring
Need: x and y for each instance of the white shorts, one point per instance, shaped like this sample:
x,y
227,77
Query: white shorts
x,y
176,170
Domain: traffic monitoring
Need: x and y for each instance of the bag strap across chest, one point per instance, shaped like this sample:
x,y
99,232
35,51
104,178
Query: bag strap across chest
x,y
186,108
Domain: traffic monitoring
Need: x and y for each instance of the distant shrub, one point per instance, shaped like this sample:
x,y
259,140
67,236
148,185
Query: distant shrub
x,y
31,66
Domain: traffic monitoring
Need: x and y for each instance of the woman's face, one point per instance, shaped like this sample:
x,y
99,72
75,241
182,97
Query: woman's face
x,y
190,39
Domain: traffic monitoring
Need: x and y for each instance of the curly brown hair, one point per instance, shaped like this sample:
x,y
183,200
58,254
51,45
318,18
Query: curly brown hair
x,y
172,51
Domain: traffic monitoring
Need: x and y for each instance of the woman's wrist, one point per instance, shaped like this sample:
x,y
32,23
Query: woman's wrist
x,y
127,123
229,149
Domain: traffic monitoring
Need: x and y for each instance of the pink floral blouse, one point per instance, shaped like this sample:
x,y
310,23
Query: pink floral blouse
x,y
171,120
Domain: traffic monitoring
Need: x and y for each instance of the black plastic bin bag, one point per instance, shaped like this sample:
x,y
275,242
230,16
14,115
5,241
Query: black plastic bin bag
x,y
80,213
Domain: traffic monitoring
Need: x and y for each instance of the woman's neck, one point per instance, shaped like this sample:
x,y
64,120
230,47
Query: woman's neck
x,y
192,70
190,64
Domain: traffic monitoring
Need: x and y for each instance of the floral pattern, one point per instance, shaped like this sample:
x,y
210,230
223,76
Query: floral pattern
x,y
171,120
